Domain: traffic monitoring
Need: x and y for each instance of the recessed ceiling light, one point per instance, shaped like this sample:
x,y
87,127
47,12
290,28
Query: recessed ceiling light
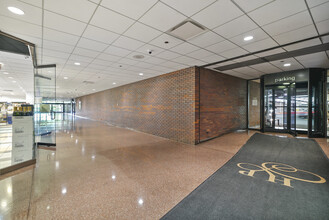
x,y
76,63
15,10
94,89
65,77
5,73
10,77
248,38
287,64
114,83
141,74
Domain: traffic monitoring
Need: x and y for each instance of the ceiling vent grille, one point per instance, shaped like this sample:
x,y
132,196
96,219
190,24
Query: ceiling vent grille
x,y
187,30
88,82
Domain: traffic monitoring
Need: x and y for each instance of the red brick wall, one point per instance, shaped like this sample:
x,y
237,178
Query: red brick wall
x,y
222,103
162,106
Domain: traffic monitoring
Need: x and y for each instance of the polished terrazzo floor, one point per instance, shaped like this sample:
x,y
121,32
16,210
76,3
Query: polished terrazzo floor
x,y
104,172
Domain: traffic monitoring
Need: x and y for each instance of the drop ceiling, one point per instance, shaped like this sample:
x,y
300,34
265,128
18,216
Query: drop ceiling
x,y
105,35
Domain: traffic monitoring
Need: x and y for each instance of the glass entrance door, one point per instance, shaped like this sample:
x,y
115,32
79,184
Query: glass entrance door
x,y
44,117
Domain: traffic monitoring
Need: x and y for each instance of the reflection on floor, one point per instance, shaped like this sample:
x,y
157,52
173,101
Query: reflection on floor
x,y
104,172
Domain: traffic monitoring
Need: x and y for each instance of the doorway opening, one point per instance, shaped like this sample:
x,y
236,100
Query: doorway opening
x,y
286,108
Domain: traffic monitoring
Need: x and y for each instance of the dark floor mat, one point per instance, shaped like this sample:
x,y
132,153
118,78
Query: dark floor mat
x,y
269,178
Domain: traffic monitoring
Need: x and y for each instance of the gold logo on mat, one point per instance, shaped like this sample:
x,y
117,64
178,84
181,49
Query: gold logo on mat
x,y
277,172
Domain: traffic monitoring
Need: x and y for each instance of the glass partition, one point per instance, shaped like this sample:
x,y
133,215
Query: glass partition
x,y
254,104
45,113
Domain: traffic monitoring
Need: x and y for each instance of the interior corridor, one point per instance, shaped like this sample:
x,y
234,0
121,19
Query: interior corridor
x,y
104,172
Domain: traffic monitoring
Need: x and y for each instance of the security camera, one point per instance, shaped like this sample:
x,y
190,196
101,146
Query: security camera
x,y
150,51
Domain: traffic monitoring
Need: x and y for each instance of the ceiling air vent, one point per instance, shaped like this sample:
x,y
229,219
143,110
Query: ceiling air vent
x,y
186,30
88,82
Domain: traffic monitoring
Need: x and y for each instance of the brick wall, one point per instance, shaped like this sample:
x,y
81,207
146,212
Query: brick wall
x,y
162,106
222,103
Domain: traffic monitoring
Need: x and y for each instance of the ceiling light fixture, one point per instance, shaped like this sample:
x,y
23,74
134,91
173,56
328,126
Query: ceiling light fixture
x,y
76,63
10,77
5,73
65,77
15,10
141,74
287,64
248,38
114,83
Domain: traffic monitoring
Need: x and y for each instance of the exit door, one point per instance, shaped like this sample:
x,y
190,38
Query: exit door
x,y
280,108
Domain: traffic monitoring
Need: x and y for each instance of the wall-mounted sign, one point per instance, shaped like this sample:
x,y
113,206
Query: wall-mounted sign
x,y
286,77
254,102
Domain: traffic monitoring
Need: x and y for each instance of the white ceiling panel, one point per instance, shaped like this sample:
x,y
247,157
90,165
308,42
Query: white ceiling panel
x,y
320,13
312,3
186,60
142,32
57,46
131,8
108,57
31,14
288,24
144,50
236,74
249,71
117,51
276,10
91,45
98,34
12,25
221,47
234,52
85,52
194,5
199,54
81,10
61,23
295,35
168,55
128,43
111,20
251,5
59,36
184,48
154,60
260,45
206,39
314,60
212,59
303,44
323,26
160,41
266,68
217,14
236,27
162,17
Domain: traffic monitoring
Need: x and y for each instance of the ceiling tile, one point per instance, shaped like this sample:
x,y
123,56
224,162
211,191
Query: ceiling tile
x,y
303,44
288,24
162,17
57,46
142,32
32,14
81,10
108,57
144,50
206,39
16,26
160,41
221,47
260,45
217,14
312,3
236,27
168,55
299,34
186,60
85,52
117,51
128,43
98,34
212,59
184,48
58,36
91,45
154,60
111,20
266,68
258,35
320,13
188,7
276,10
294,64
251,5
199,54
235,74
234,52
316,60
131,8
61,23
323,26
